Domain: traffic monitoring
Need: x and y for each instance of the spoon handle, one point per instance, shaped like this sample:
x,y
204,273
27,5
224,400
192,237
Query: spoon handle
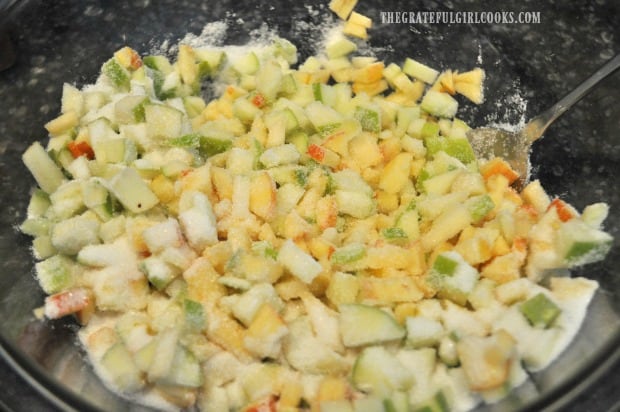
x,y
537,126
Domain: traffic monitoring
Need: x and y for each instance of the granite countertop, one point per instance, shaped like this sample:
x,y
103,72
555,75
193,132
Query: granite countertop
x,y
529,66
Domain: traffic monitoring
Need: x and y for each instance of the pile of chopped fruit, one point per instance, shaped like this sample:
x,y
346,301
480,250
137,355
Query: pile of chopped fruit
x,y
315,238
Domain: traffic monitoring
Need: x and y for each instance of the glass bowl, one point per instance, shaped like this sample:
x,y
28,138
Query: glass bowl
x,y
528,66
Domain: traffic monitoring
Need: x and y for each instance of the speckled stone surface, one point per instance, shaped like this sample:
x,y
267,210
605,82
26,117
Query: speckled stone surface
x,y
529,66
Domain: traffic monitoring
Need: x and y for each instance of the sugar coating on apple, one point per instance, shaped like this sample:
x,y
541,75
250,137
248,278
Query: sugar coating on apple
x,y
298,262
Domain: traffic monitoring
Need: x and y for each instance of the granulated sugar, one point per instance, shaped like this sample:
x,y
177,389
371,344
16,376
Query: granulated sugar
x,y
513,106
212,34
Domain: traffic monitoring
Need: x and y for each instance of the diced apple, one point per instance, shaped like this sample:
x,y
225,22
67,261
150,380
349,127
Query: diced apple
x,y
355,204
365,150
133,192
213,57
279,155
339,138
422,331
121,150
323,118
579,244
397,402
350,180
369,73
47,174
263,196
67,200
473,92
163,235
241,197
485,361
594,214
185,371
360,19
410,90
269,80
362,325
499,166
71,235
256,268
159,63
442,183
264,334
108,254
37,226
130,109
187,66
324,321
336,405
79,301
537,347
420,71
354,29
447,353
245,110
372,403
298,262
389,256
198,221
535,195
117,74
391,71
409,223
326,212
247,63
453,277
348,253
287,196
306,353
436,403
469,84
396,173
133,330
540,310
118,364
158,272
250,302
72,100
343,288
479,207
370,89
448,224
339,46
342,8
439,104
62,123
379,372
163,121
390,290
444,82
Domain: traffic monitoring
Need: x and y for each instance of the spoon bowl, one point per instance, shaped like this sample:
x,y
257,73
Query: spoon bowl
x,y
489,142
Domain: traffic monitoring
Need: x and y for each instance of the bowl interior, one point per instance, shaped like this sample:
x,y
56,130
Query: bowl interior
x,y
528,67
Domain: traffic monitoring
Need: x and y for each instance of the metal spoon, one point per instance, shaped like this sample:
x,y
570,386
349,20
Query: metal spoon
x,y
514,147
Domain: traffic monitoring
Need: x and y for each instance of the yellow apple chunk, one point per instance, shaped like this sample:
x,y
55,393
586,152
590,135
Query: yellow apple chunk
x,y
342,8
265,332
188,68
360,19
396,173
263,196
